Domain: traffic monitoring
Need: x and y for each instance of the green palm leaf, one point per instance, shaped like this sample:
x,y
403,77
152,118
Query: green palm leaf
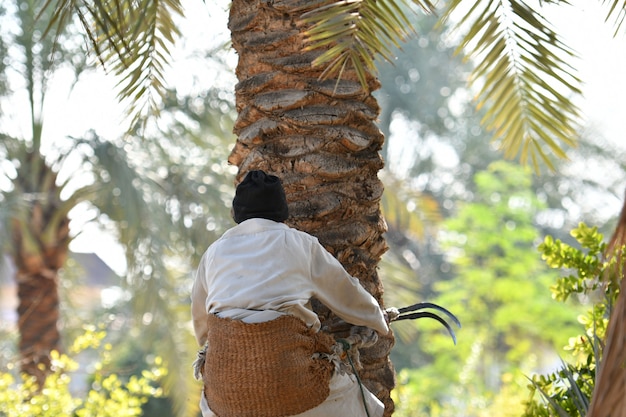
x,y
617,12
408,211
159,196
131,38
523,78
355,32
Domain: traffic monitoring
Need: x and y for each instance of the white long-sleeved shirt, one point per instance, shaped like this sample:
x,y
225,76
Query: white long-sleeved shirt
x,y
265,266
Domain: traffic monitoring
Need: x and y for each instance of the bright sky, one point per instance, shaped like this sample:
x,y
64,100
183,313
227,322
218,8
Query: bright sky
x,y
602,65
92,104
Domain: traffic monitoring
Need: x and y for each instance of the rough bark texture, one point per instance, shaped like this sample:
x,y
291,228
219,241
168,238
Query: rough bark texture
x,y
38,312
38,307
319,136
40,239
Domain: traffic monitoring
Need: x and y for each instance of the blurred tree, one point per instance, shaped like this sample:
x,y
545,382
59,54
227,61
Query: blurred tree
x,y
109,395
165,200
425,87
3,63
190,209
500,291
35,215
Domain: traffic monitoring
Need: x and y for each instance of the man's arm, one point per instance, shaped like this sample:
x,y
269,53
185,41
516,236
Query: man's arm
x,y
198,304
344,294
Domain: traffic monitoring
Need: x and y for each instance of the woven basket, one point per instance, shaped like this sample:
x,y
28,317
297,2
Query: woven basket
x,y
265,369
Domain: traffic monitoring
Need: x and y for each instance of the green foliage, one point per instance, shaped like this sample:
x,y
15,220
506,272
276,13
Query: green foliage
x,y
524,77
567,391
499,289
108,396
353,33
589,264
411,401
490,243
133,38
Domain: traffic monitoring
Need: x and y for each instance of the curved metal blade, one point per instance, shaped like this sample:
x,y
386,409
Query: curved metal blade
x,y
421,306
430,315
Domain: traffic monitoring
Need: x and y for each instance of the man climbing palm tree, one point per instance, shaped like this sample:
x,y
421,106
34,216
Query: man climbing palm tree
x,y
264,354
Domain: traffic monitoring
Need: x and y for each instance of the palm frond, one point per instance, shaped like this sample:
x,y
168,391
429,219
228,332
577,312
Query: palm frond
x,y
524,78
166,200
10,206
408,211
162,314
617,12
131,38
356,32
121,193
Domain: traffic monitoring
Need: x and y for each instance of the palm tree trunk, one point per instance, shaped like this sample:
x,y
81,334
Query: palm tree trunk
x,y
40,241
321,139
37,291
38,314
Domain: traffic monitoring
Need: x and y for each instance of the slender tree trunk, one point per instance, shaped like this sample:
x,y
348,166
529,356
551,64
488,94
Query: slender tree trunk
x,y
37,290
321,139
40,240
38,313
38,306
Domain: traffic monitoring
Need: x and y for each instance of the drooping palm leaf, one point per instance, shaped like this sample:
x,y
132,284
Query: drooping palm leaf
x,y
131,38
10,205
617,12
523,76
408,211
162,196
132,200
355,32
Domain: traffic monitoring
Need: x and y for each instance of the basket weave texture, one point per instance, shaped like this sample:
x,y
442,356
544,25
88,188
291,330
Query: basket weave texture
x,y
265,369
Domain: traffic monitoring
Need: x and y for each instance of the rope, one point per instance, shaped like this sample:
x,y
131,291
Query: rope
x,y
346,347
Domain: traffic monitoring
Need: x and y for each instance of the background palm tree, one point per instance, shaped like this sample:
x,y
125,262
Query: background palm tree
x,y
163,199
36,221
310,116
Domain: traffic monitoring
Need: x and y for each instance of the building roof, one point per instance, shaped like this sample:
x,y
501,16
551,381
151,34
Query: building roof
x,y
96,271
